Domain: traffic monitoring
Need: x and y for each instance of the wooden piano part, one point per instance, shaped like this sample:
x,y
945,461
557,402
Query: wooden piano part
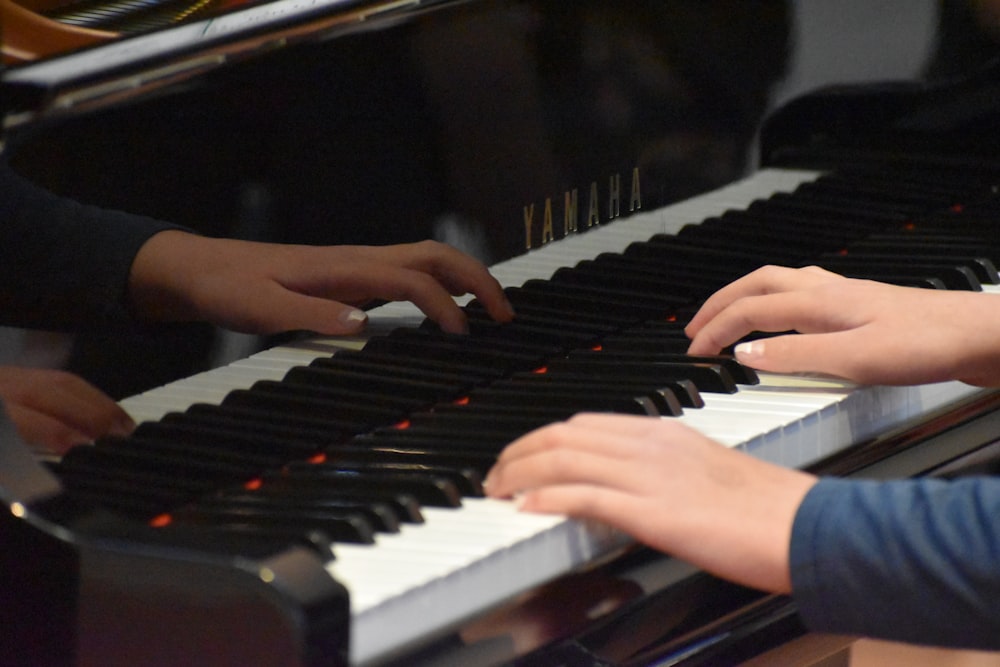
x,y
28,35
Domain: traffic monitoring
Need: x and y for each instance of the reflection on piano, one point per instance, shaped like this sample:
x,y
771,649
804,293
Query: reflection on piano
x,y
319,502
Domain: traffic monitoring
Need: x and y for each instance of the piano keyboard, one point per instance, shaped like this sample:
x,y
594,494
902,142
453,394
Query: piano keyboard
x,y
426,578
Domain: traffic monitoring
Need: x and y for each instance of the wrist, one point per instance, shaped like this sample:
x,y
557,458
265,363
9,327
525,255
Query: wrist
x,y
157,284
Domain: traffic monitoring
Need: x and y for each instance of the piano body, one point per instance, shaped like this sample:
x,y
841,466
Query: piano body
x,y
539,136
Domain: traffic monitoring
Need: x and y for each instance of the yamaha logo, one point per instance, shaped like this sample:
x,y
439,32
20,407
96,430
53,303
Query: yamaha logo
x,y
571,222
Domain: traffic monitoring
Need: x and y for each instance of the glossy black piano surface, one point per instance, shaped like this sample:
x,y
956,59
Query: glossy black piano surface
x,y
452,120
459,121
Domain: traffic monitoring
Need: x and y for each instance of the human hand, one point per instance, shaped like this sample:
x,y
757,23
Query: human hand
x,y
54,410
268,288
863,331
666,485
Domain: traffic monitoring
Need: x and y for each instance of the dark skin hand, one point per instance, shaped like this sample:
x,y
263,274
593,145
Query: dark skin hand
x,y
54,410
254,288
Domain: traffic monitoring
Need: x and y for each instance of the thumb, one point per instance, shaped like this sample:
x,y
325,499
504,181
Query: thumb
x,y
277,310
795,353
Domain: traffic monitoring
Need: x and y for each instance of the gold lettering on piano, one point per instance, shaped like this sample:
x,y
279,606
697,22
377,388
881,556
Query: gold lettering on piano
x,y
569,212
635,202
547,233
529,219
614,196
593,215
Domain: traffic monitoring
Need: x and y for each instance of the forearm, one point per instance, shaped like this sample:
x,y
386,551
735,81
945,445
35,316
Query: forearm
x,y
64,265
909,560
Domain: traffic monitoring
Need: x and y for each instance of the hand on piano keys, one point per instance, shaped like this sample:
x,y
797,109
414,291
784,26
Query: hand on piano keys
x,y
269,288
56,410
667,485
250,287
863,331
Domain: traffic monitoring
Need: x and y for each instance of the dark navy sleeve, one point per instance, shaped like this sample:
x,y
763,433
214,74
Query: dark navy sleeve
x,y
64,265
908,560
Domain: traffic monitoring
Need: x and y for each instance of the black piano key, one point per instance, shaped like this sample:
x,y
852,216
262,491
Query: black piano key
x,y
221,454
491,438
611,305
691,278
540,410
671,397
319,433
518,332
592,275
939,185
194,468
225,445
548,319
510,420
798,234
352,417
295,427
454,373
932,241
712,378
485,442
532,306
984,268
466,343
343,396
497,360
428,391
290,526
739,372
778,248
841,231
653,342
665,247
340,526
366,447
137,494
382,517
898,194
404,506
952,276
575,400
427,489
466,479
879,213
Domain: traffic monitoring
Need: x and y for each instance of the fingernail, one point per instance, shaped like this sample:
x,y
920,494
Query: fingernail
x,y
122,429
749,352
353,317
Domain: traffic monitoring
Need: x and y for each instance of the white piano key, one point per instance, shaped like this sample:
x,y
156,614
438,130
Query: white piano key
x,y
511,546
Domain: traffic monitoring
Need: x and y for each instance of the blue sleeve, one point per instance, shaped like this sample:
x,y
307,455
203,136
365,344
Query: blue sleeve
x,y
64,265
914,560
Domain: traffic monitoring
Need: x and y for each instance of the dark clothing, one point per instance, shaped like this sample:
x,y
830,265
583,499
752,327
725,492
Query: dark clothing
x,y
63,265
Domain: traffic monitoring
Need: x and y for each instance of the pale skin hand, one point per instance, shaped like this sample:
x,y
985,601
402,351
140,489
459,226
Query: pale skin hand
x,y
54,410
268,288
868,332
665,484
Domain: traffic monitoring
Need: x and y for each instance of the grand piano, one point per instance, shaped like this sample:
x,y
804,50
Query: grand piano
x,y
317,501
